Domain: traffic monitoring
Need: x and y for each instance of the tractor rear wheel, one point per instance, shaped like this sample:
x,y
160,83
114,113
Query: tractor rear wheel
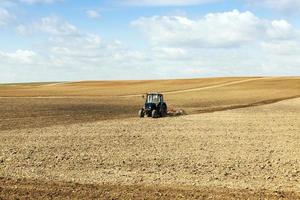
x,y
141,113
164,111
154,114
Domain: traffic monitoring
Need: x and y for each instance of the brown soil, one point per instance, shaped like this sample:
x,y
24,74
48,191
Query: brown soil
x,y
251,152
105,100
83,140
37,189
18,113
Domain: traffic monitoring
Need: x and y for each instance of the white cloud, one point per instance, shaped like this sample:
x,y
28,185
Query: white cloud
x,y
165,2
68,45
22,29
5,17
229,29
18,57
283,5
217,44
229,43
290,47
56,26
31,2
40,1
93,14
281,30
169,53
215,30
52,25
68,54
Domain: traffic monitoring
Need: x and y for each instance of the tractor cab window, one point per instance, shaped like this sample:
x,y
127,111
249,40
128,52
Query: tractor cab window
x,y
155,98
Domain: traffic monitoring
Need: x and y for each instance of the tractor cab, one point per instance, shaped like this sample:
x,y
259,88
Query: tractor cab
x,y
154,106
154,98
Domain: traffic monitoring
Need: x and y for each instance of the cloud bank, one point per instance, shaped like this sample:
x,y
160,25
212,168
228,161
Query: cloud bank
x,y
232,43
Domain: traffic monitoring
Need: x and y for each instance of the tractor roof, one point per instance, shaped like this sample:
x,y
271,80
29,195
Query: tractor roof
x,y
154,93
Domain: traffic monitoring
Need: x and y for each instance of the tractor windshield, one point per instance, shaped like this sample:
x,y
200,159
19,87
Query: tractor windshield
x,y
154,98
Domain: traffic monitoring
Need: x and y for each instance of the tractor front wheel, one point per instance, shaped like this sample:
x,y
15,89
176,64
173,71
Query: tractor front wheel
x,y
154,114
141,113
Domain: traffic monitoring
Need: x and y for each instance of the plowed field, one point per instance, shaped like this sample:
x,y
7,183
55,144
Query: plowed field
x,y
239,144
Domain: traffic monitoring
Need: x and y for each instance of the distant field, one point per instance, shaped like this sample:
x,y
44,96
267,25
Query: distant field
x,y
107,88
46,104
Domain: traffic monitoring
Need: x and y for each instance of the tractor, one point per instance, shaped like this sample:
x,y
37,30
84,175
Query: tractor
x,y
154,107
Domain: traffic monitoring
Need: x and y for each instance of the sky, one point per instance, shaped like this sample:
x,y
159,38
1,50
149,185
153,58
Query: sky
x,y
74,40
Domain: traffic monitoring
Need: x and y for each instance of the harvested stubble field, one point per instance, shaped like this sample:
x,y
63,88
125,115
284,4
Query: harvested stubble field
x,y
82,140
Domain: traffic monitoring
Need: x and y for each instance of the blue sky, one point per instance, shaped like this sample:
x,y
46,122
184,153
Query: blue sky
x,y
64,40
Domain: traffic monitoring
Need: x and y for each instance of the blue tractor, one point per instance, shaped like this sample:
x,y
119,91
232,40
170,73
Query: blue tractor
x,y
154,107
